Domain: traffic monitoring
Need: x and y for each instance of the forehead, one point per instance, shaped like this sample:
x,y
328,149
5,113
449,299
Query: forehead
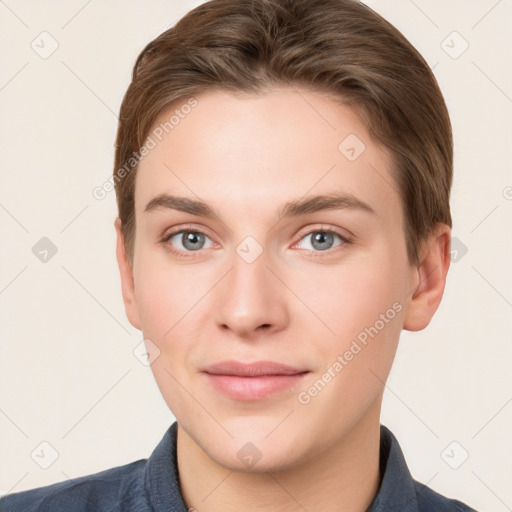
x,y
243,151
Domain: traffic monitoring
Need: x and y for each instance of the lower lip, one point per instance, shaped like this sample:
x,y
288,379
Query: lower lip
x,y
253,388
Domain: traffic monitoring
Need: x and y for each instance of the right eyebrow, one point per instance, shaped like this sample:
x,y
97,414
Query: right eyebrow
x,y
182,204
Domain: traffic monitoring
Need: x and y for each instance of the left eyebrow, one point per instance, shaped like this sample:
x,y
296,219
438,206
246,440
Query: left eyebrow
x,y
333,201
303,206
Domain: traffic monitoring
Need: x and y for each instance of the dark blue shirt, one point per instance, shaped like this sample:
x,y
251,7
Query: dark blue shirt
x,y
152,485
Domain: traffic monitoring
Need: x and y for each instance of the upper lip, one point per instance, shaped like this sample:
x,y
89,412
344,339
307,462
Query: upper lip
x,y
256,369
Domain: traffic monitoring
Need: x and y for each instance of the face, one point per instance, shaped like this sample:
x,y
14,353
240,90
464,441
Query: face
x,y
269,229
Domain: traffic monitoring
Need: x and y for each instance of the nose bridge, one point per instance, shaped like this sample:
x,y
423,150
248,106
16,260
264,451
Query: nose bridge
x,y
249,298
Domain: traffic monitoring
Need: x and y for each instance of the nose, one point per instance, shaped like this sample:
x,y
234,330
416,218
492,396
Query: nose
x,y
251,300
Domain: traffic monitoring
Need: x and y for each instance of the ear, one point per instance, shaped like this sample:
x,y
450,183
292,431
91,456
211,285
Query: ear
x,y
127,281
429,278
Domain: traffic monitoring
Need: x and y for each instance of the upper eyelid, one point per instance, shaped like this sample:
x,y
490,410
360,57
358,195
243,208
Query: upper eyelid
x,y
322,228
189,229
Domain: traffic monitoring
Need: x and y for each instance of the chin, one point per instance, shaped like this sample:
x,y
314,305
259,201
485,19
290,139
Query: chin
x,y
253,459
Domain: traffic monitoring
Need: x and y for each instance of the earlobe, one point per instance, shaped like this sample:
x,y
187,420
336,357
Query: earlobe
x,y
127,280
430,280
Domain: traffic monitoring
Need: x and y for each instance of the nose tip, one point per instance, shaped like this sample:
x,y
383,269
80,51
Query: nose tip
x,y
249,300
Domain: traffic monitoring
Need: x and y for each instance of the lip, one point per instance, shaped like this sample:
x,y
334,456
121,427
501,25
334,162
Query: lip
x,y
256,369
253,381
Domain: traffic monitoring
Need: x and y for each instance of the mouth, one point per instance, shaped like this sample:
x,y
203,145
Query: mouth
x,y
253,381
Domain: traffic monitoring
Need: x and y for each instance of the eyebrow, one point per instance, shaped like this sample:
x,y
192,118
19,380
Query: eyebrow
x,y
303,206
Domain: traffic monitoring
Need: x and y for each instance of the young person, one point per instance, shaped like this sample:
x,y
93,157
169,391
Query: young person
x,y
283,173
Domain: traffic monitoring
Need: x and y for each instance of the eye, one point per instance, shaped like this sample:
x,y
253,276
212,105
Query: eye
x,y
186,241
321,240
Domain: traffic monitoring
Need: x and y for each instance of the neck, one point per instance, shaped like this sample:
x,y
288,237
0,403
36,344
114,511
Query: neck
x,y
344,477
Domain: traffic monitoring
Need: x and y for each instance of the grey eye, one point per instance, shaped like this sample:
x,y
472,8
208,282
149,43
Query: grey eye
x,y
321,240
190,240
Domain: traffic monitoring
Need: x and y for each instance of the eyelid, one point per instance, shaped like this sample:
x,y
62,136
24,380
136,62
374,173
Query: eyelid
x,y
185,227
324,229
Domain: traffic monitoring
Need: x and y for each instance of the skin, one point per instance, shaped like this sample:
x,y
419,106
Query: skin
x,y
246,156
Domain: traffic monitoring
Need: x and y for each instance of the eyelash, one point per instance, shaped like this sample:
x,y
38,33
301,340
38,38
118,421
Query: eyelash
x,y
194,254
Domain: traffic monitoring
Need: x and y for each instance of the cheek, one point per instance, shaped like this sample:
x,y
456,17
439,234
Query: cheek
x,y
157,299
164,292
364,310
350,298
173,302
166,298
361,304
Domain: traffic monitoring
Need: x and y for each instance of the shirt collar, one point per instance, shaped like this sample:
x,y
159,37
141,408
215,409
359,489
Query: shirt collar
x,y
396,490
161,479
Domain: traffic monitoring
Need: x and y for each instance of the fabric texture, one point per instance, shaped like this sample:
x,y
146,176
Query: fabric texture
x,y
152,485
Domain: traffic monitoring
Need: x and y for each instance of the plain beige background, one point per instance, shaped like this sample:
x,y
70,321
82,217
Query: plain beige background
x,y
68,374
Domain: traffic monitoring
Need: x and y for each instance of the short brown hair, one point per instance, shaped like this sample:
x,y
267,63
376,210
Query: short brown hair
x,y
338,47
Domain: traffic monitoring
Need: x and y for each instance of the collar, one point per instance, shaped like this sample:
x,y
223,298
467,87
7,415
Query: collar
x,y
397,489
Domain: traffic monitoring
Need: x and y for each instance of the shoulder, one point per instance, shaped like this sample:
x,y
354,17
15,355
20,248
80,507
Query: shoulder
x,y
431,501
142,486
115,489
400,491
